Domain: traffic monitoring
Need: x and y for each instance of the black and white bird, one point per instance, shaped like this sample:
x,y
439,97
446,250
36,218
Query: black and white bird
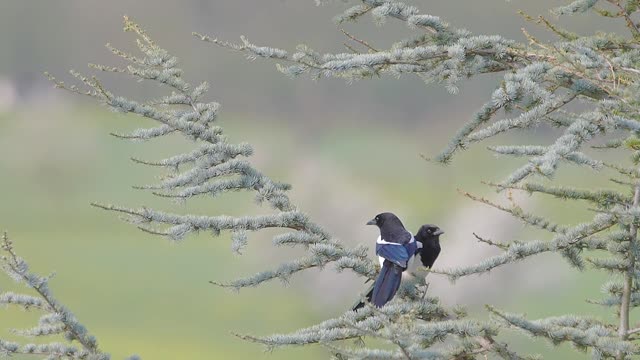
x,y
396,249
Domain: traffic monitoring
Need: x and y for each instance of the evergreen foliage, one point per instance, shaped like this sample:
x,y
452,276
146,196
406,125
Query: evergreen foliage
x,y
540,81
216,166
412,323
55,320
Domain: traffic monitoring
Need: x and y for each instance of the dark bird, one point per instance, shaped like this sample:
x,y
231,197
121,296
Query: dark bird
x,y
393,246
428,238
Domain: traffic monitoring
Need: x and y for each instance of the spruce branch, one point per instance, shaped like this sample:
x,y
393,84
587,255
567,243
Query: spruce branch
x,y
563,33
57,319
532,81
490,242
633,331
517,212
582,332
602,198
215,166
359,41
582,86
564,242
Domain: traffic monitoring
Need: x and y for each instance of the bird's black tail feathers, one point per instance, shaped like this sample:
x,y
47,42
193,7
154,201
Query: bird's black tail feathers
x,y
385,287
387,283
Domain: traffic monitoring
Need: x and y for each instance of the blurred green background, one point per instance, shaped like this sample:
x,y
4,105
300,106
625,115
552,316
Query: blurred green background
x,y
331,140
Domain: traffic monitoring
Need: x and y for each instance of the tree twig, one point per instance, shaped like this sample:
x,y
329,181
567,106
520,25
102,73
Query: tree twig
x,y
359,41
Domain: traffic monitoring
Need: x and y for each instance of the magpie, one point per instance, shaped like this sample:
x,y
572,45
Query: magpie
x,y
394,245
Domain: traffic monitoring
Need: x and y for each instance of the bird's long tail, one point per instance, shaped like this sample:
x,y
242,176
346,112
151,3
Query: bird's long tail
x,y
387,283
360,304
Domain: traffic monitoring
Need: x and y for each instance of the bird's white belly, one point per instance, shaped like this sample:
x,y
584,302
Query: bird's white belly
x,y
411,264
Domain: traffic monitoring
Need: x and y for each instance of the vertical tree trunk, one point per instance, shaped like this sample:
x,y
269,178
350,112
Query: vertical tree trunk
x,y
625,303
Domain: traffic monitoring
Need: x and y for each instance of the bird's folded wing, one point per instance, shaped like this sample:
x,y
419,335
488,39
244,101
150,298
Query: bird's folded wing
x,y
397,254
412,248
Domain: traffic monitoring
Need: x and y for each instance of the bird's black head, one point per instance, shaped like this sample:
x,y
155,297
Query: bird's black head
x,y
428,231
385,219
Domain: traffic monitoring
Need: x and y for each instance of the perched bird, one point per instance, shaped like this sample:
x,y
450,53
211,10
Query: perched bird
x,y
427,246
395,248
428,238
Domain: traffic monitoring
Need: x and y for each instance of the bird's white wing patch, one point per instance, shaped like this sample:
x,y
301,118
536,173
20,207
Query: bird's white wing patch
x,y
381,241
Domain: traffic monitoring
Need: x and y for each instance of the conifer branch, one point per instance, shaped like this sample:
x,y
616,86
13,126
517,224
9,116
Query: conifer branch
x,y
541,82
57,319
563,242
359,41
519,213
602,198
490,242
633,331
214,167
582,332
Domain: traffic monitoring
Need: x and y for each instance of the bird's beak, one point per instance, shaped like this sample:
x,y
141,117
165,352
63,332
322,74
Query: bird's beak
x,y
372,222
439,232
